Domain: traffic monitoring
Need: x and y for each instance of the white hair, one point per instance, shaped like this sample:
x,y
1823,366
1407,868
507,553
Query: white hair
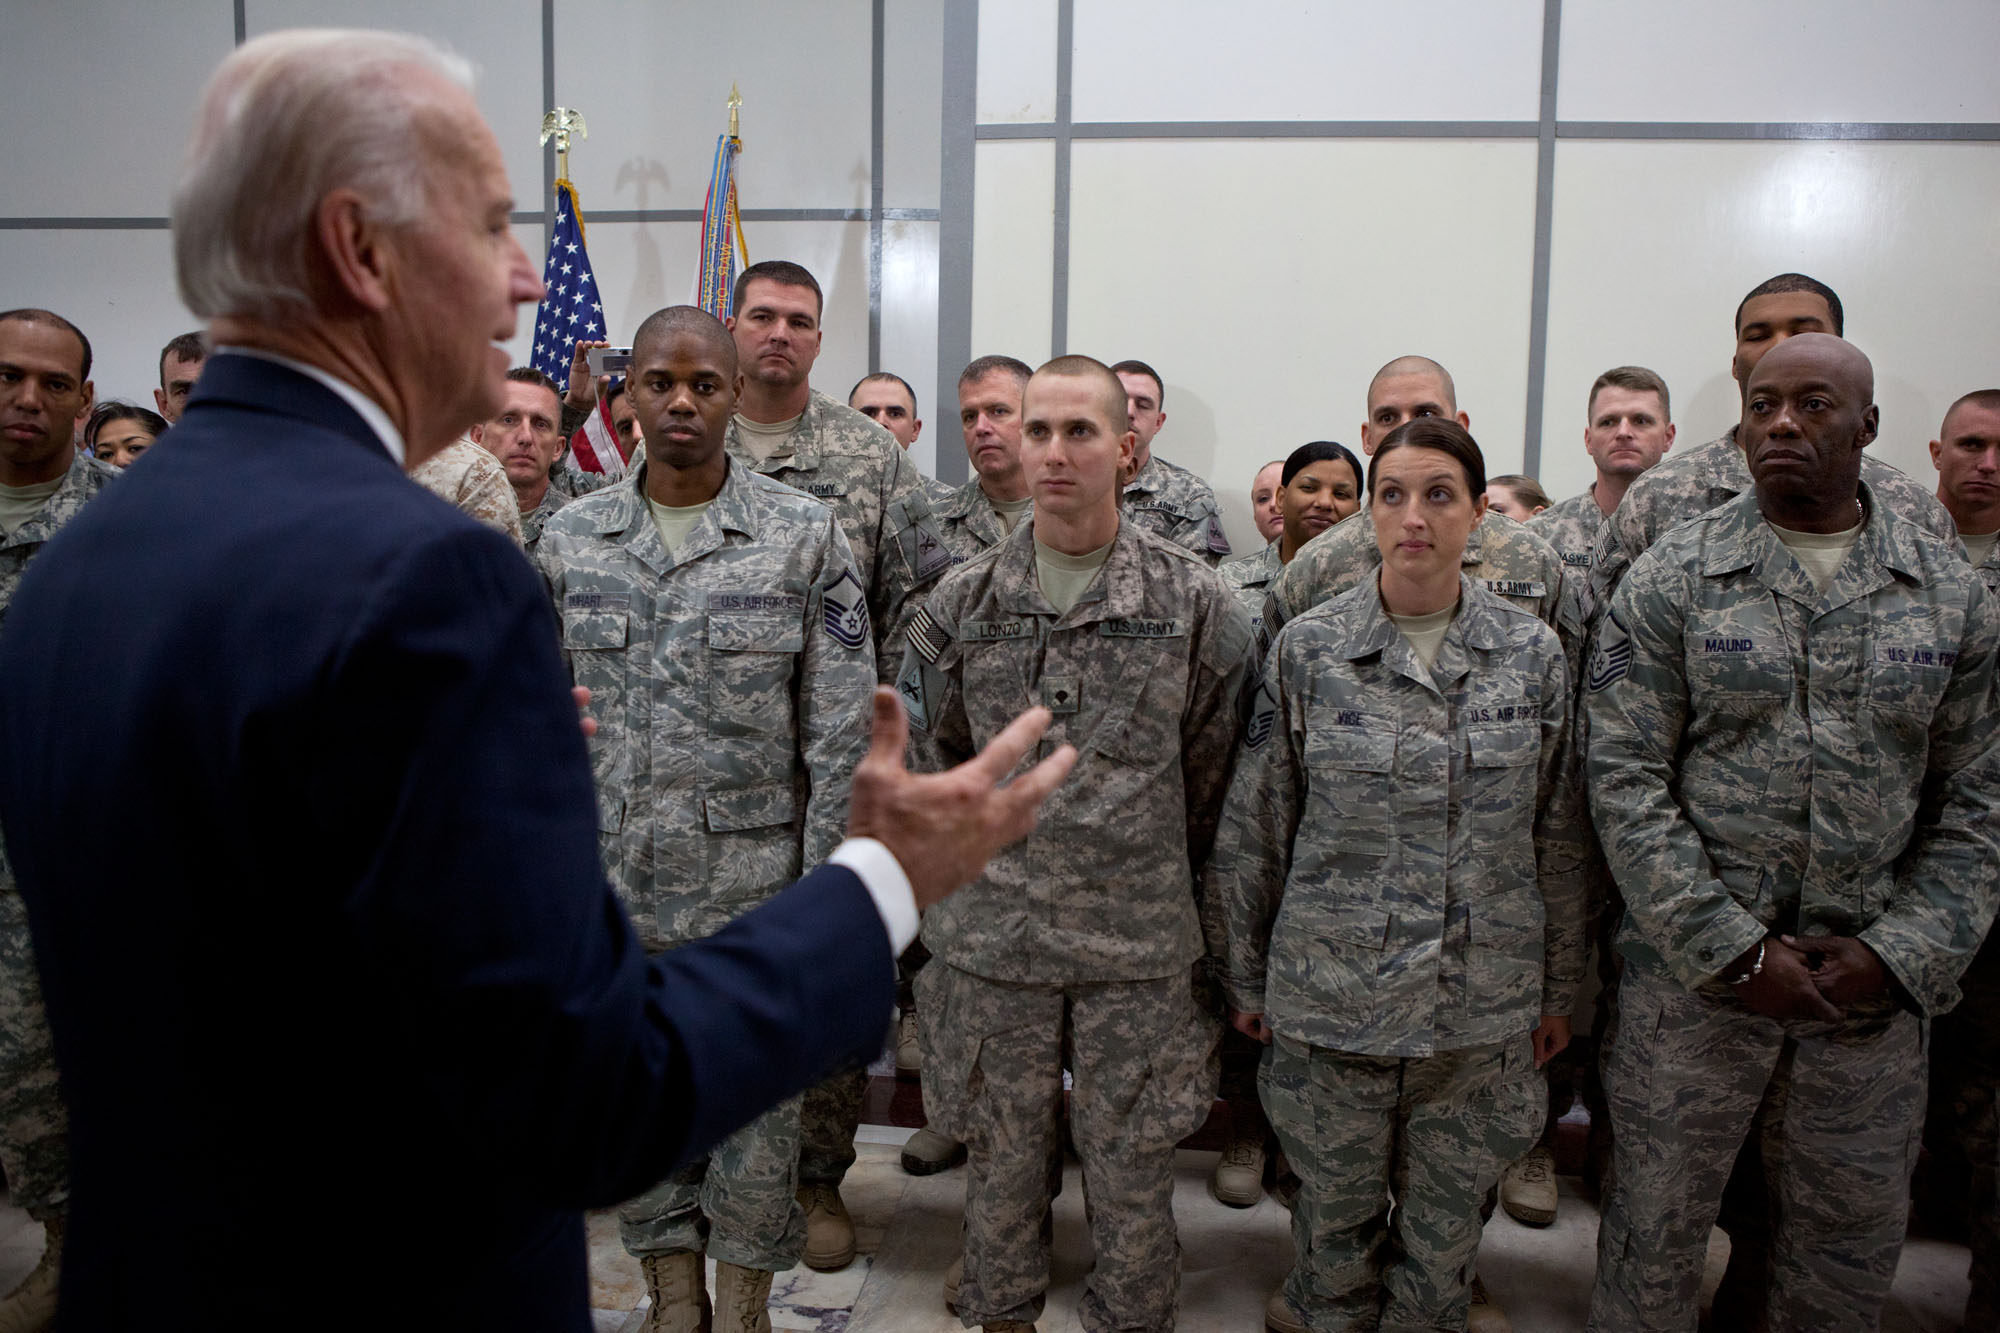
x,y
285,119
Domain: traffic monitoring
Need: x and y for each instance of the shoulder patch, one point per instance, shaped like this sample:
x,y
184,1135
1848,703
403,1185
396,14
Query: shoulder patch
x,y
1613,656
1263,714
1217,542
932,556
844,608
926,635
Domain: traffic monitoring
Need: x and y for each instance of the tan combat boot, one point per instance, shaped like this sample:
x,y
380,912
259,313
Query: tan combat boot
x,y
1279,1316
929,1152
1238,1178
1528,1189
680,1297
953,1276
829,1230
1484,1316
909,1055
742,1299
31,1307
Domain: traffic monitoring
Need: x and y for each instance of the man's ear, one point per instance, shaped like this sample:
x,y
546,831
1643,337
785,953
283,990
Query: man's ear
x,y
1871,424
354,249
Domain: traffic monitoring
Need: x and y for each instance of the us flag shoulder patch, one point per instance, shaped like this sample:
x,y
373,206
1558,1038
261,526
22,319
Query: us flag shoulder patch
x,y
926,636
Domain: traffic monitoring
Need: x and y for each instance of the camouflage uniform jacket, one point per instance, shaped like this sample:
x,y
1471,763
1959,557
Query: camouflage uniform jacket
x,y
840,457
1400,868
471,480
969,524
534,520
938,491
1179,506
1571,528
1687,485
1147,676
1767,758
731,685
1501,555
1250,578
85,478
1988,569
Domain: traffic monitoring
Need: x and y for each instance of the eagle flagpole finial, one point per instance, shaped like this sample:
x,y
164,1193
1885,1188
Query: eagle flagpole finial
x,y
558,125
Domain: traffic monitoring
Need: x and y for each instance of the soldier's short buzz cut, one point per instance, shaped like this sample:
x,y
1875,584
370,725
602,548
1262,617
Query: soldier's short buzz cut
x,y
885,377
36,315
190,346
1418,365
1090,368
1442,434
1633,379
980,368
688,319
1797,282
1129,366
1988,399
530,375
783,272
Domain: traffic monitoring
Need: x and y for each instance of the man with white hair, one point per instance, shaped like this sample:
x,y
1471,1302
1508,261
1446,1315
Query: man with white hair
x,y
358,932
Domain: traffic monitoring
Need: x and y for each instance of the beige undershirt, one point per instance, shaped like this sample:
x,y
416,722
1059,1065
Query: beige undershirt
x,y
1979,545
1064,577
1010,511
1425,633
676,522
18,504
1819,553
767,440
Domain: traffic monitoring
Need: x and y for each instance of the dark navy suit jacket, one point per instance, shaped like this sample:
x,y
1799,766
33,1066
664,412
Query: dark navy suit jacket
x,y
350,1022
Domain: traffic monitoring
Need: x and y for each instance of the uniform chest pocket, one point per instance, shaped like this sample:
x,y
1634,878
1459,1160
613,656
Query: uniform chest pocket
x,y
1737,668
752,660
1350,767
1142,695
593,621
1502,780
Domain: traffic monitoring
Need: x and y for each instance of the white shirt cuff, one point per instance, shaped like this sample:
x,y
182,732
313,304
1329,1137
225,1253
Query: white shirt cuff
x,y
882,875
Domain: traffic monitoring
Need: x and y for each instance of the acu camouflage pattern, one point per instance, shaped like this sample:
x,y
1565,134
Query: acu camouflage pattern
x,y
34,1121
1571,528
1764,758
1432,1134
470,479
1250,578
856,468
738,1204
1834,1108
1501,555
1146,676
534,520
969,524
731,685
1400,867
1142,1054
1176,504
1687,485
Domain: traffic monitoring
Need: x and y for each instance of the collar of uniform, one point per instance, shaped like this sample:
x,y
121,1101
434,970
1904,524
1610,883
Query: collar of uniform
x,y
1254,570
1742,539
804,439
625,514
82,479
1148,480
1473,554
1117,593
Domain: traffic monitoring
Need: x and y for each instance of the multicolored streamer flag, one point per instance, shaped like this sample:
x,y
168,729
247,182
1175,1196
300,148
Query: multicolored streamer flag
x,y
571,309
721,230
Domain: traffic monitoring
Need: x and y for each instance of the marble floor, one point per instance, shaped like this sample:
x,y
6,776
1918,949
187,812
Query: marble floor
x,y
907,1231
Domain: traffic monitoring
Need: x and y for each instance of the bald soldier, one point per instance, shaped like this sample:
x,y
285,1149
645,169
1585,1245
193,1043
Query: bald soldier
x,y
1964,1106
1504,556
1793,765
1715,473
1161,497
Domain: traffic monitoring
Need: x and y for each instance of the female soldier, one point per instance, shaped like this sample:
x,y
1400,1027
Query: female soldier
x,y
118,432
1394,914
1319,486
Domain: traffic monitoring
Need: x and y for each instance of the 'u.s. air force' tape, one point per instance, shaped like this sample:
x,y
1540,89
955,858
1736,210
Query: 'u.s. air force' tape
x,y
845,608
1613,657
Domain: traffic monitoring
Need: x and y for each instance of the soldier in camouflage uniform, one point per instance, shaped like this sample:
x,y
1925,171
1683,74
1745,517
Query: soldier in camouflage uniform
x,y
1397,893
1628,428
731,671
527,440
1077,946
1318,486
978,515
472,481
1792,762
1161,497
1963,1129
787,430
47,484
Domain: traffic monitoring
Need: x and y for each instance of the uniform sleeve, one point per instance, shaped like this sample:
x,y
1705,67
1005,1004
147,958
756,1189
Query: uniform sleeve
x,y
910,554
1637,710
1947,877
836,689
548,561
1253,844
1621,539
1218,695
1563,846
931,686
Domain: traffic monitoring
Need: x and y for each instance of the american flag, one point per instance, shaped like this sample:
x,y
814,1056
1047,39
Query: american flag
x,y
571,308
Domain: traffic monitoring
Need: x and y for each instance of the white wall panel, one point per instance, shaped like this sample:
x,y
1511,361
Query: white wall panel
x,y
909,332
1307,60
117,286
98,101
1269,319
502,39
653,82
1013,270
1017,60
1655,244
1779,60
912,102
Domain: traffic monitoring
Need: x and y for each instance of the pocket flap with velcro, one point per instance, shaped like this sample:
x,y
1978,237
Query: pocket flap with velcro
x,y
752,807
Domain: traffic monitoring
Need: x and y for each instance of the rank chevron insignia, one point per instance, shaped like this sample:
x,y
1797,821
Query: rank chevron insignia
x,y
846,611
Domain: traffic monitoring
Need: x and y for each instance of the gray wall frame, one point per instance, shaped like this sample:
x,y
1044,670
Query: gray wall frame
x,y
962,132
